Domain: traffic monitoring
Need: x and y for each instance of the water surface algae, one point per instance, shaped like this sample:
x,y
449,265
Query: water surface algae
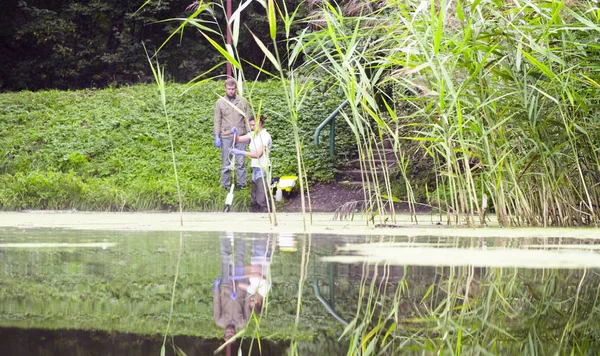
x,y
322,223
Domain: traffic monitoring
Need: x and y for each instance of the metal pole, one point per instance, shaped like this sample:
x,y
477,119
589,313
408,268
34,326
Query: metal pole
x,y
332,272
228,35
332,138
330,120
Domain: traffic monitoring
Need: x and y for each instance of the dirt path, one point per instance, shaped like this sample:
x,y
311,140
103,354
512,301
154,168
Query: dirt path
x,y
325,197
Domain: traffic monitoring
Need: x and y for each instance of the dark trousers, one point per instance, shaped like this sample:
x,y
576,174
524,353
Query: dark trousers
x,y
258,194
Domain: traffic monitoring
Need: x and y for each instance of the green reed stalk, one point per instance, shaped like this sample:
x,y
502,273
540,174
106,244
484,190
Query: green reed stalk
x,y
159,77
306,248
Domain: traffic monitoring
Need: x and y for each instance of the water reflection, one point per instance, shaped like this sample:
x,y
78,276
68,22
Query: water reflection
x,y
242,290
230,304
16,341
511,296
367,294
255,278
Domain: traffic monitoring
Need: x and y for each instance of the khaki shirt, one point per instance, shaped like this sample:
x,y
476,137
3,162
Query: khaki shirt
x,y
227,117
228,311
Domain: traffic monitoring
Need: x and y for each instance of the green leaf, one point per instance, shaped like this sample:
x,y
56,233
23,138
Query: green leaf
x,y
429,290
541,66
474,5
297,47
438,31
459,341
179,351
272,20
221,50
182,26
262,70
389,331
459,11
267,52
238,335
235,21
371,348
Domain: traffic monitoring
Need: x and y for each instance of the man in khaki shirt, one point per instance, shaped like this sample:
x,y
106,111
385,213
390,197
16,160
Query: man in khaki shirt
x,y
231,110
231,309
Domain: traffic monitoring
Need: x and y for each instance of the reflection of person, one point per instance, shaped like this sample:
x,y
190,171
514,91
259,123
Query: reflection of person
x,y
230,305
260,146
259,280
228,114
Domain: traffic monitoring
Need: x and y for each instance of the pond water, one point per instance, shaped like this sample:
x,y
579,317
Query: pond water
x,y
109,293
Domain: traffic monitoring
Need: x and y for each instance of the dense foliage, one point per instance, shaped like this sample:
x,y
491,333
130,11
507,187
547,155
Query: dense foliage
x,y
500,97
109,149
49,44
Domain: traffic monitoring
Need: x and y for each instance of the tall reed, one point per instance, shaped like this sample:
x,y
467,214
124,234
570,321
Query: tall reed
x,y
500,96
160,82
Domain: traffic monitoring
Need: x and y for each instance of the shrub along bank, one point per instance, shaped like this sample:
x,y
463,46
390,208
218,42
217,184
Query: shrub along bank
x,y
109,149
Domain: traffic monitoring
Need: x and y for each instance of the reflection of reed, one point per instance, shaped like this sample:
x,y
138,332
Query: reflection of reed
x,y
404,301
437,308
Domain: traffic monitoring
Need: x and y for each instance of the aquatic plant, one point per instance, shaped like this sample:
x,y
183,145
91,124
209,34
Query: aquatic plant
x,y
500,98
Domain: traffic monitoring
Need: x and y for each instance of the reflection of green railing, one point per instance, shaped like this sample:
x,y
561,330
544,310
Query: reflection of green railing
x,y
329,306
331,121
326,305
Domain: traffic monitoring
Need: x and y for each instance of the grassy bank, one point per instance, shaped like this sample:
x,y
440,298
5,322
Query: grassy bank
x,y
109,149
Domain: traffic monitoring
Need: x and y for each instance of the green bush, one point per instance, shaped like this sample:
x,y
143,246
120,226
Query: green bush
x,y
41,190
109,149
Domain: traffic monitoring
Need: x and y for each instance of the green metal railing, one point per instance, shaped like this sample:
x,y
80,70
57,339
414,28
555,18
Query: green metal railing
x,y
330,120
